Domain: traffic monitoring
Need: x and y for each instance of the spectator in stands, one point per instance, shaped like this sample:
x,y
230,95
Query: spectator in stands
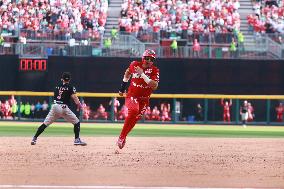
x,y
271,2
174,47
107,44
233,48
280,40
198,112
1,40
114,33
279,112
196,48
101,113
1,44
241,46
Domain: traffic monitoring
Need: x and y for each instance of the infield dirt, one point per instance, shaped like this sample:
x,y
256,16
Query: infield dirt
x,y
145,161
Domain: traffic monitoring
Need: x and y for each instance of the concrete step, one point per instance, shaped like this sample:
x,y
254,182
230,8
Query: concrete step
x,y
115,4
112,21
244,10
244,25
114,1
245,5
108,28
111,18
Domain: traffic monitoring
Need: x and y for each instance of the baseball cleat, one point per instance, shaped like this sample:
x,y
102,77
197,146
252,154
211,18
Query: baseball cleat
x,y
33,142
121,143
78,142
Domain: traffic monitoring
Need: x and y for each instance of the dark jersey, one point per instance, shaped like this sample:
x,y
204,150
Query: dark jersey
x,y
244,109
62,94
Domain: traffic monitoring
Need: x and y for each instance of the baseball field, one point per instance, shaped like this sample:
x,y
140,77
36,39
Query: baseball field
x,y
155,156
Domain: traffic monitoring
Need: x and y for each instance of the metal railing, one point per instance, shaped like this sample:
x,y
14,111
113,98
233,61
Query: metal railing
x,y
56,35
155,37
256,47
217,51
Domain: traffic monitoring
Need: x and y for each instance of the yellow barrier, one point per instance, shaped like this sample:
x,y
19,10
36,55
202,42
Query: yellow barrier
x,y
193,96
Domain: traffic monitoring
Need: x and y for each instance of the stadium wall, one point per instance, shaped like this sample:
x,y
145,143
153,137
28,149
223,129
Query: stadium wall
x,y
194,76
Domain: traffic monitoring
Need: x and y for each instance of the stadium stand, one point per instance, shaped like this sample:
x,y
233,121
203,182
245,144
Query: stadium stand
x,y
50,19
178,19
268,17
79,28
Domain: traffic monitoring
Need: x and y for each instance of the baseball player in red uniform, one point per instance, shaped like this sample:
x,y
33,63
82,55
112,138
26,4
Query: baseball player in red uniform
x,y
279,112
226,110
144,80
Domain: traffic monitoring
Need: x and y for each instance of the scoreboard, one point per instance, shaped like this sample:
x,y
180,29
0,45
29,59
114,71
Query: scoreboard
x,y
32,64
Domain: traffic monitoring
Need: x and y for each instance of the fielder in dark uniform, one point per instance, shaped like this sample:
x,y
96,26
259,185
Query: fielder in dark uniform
x,y
62,95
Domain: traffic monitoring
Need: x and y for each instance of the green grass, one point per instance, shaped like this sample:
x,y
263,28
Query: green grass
x,y
147,130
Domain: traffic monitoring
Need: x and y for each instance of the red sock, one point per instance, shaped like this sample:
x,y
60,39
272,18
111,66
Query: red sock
x,y
133,123
129,123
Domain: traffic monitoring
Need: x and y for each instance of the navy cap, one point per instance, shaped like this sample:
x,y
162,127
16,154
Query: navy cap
x,y
66,76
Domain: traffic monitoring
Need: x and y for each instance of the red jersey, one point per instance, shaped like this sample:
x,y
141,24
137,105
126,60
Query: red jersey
x,y
138,87
280,110
226,109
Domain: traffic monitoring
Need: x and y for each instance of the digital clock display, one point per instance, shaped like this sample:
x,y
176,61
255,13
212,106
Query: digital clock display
x,y
33,64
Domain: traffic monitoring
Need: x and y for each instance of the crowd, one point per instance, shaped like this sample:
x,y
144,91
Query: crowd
x,y
180,16
155,114
65,17
11,109
268,17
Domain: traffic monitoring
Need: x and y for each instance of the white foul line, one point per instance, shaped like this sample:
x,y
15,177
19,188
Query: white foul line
x,y
91,187
105,187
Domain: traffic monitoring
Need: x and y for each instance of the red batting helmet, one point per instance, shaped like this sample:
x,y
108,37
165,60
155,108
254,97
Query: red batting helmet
x,y
149,53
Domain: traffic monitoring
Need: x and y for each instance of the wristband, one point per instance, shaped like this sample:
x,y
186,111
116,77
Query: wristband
x,y
146,78
123,87
125,79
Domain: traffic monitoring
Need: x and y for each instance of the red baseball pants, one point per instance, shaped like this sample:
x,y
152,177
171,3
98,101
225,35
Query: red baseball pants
x,y
136,109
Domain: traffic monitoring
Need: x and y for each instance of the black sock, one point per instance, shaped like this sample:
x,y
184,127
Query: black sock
x,y
77,129
40,130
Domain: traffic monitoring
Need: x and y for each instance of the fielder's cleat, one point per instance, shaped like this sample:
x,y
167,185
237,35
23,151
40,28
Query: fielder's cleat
x,y
33,142
121,143
78,142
